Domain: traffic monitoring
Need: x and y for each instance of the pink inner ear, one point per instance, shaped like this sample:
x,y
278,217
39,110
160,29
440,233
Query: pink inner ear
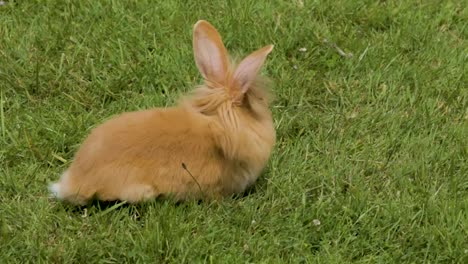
x,y
249,67
216,65
210,54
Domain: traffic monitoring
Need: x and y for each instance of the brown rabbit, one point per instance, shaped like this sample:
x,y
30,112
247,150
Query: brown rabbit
x,y
214,143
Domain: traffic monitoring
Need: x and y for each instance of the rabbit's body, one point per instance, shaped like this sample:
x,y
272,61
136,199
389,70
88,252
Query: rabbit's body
x,y
209,146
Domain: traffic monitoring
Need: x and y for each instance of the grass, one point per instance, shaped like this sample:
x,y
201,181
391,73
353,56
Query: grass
x,y
371,160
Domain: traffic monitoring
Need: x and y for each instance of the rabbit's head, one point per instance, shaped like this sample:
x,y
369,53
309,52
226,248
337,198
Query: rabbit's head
x,y
228,86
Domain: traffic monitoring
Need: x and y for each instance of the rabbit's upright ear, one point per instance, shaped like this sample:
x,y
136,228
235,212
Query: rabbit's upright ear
x,y
211,56
249,67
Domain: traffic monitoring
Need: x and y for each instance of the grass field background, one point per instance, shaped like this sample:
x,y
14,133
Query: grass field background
x,y
371,112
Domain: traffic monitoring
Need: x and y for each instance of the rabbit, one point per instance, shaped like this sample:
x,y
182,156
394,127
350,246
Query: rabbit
x,y
213,144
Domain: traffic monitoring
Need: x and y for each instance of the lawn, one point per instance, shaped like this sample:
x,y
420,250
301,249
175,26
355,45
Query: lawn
x,y
371,112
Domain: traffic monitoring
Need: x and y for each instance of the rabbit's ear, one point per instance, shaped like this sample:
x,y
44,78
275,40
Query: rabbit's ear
x,y
210,54
249,67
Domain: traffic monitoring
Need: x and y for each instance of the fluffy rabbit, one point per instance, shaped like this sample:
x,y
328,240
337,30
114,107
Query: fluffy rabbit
x,y
214,143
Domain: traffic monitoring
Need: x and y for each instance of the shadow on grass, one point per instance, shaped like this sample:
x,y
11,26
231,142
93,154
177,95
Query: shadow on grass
x,y
98,207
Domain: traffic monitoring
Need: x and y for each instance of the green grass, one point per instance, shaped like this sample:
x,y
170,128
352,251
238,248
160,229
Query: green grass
x,y
371,160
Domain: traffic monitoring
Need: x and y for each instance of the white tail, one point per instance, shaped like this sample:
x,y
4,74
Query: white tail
x,y
54,189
